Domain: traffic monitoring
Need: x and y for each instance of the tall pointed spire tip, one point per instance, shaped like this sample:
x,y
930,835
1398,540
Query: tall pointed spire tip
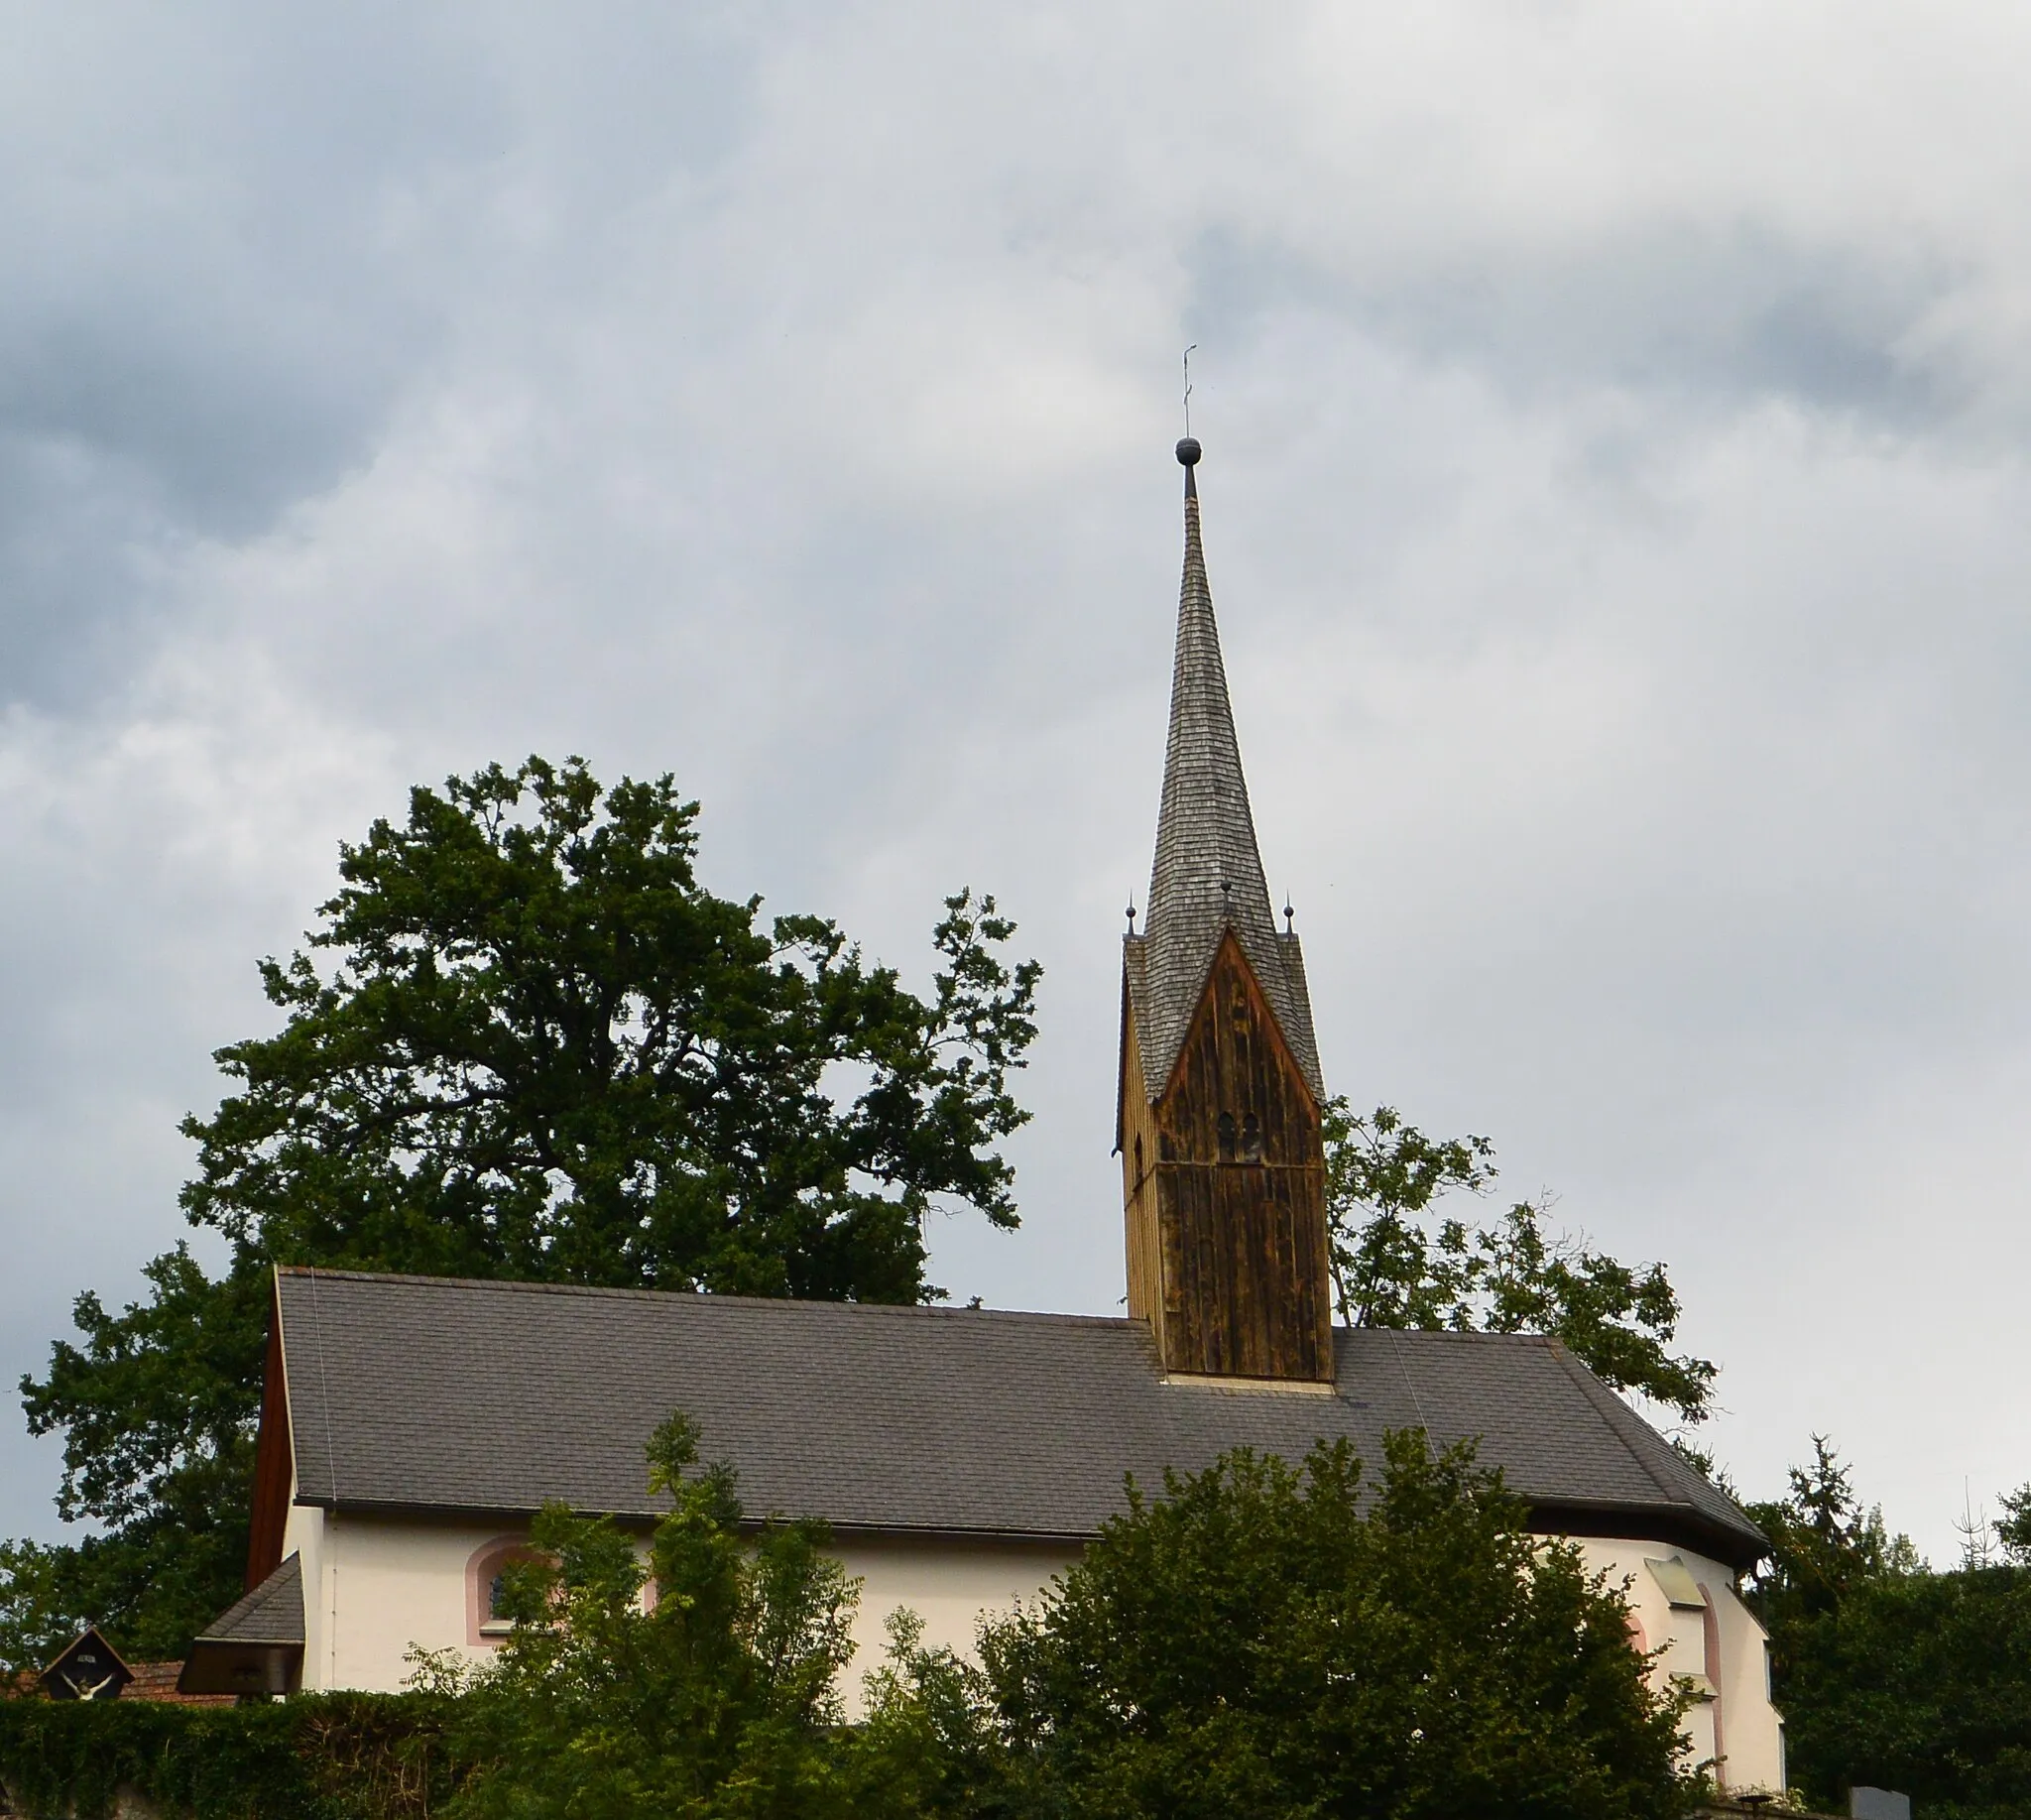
x,y
1208,876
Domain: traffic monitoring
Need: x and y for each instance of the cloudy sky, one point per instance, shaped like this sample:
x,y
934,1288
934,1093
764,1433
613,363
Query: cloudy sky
x,y
1618,481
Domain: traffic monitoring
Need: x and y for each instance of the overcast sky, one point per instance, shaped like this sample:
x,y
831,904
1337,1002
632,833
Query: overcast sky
x,y
1616,500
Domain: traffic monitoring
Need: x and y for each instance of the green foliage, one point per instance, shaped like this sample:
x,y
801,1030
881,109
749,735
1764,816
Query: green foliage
x,y
1823,1547
716,1696
2013,1528
1887,1673
525,1043
1262,1640
1920,1682
926,1745
1255,1641
159,1447
543,1050
316,1756
597,1706
1397,1263
1273,1641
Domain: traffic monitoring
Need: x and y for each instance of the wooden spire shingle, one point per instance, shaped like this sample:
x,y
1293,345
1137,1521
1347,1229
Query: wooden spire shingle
x,y
1208,875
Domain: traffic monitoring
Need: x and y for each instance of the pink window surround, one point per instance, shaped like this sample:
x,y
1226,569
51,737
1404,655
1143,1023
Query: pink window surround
x,y
1710,1626
486,1561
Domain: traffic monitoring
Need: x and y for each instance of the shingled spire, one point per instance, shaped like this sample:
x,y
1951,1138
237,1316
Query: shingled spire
x,y
1219,1094
1208,876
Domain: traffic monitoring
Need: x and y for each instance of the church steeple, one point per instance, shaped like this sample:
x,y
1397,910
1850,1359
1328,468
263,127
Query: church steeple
x,y
1208,876
1218,1122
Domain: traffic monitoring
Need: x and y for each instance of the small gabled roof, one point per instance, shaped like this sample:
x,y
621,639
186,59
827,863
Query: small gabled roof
x,y
272,1613
85,1668
423,1395
1208,874
255,1646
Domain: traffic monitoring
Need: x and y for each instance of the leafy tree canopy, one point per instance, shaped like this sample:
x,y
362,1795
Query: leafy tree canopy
x,y
1397,1263
1262,1640
157,1407
2013,1528
1269,1640
1887,1673
598,1704
703,1679
523,1041
542,1049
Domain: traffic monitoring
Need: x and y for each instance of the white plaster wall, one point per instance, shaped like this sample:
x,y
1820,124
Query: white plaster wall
x,y
375,1586
381,1586
948,1584
304,1535
1751,1732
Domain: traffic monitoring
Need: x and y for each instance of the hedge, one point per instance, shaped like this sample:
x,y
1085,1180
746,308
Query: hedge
x,y
313,1756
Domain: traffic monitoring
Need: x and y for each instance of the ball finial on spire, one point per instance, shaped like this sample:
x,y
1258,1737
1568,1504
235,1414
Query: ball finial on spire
x,y
1188,451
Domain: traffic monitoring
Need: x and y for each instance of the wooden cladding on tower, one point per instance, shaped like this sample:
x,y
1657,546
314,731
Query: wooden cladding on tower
x,y
1224,1179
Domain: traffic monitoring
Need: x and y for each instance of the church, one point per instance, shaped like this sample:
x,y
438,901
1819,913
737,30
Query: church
x,y
411,1426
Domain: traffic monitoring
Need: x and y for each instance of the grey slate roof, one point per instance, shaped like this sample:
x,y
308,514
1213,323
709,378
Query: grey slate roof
x,y
1208,875
429,1395
272,1613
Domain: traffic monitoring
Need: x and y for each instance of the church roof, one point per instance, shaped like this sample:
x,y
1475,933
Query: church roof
x,y
426,1395
255,1646
272,1613
1208,876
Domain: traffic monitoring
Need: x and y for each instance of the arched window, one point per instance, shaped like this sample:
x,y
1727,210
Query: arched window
x,y
1225,1128
1251,1139
485,1573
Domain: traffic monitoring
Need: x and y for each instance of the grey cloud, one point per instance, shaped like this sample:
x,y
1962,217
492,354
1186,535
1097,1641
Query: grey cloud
x,y
232,267
785,398
1716,318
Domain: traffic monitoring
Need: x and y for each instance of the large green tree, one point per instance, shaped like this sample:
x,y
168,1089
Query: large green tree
x,y
1399,1260
1887,1672
523,1041
1275,1641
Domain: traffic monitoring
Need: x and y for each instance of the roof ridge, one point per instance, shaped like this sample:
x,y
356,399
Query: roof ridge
x,y
634,1292
1469,1336
1613,1408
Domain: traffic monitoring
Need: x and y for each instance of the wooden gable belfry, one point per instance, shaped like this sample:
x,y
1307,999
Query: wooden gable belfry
x,y
1218,1111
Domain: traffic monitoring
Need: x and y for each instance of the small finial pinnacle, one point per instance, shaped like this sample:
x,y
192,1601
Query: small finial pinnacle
x,y
1131,915
1289,915
1188,450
